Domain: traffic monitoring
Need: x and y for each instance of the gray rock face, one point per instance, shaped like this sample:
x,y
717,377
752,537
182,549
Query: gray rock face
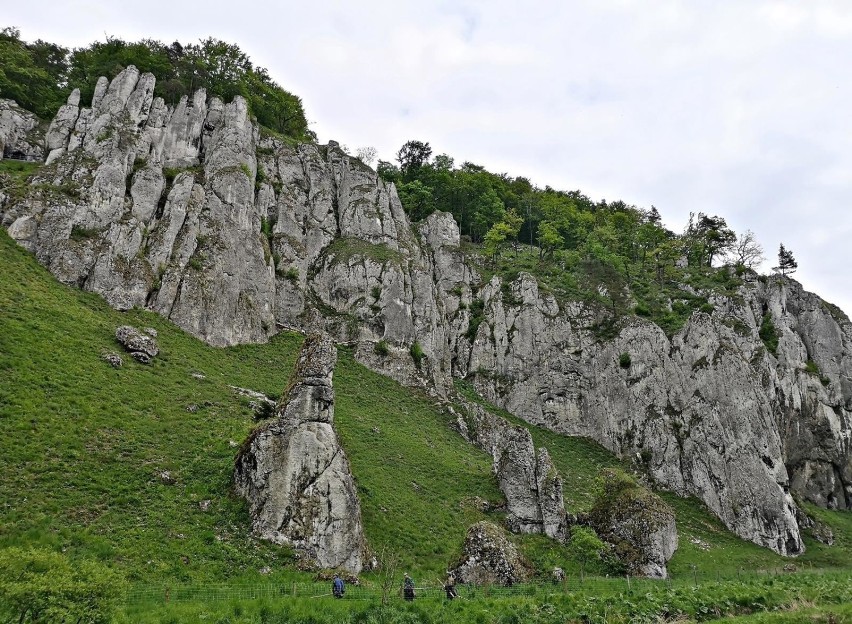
x,y
527,478
295,475
18,130
490,559
191,212
709,399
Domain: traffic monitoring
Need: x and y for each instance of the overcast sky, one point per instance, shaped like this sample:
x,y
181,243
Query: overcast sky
x,y
741,109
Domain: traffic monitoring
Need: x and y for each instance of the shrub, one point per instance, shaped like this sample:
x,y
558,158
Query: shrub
x,y
477,314
43,586
381,348
79,233
768,334
417,353
624,360
291,274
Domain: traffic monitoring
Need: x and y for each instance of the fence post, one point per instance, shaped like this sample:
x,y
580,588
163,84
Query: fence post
x,y
628,582
694,574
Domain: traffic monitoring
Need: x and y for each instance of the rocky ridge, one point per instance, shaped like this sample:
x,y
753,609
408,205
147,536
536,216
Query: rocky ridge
x,y
196,213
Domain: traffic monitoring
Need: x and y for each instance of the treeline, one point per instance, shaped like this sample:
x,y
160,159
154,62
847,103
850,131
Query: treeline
x,y
583,244
496,210
40,75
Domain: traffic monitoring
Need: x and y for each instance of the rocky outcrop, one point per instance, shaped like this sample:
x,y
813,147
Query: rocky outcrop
x,y
489,558
18,133
195,213
526,476
142,345
295,475
637,523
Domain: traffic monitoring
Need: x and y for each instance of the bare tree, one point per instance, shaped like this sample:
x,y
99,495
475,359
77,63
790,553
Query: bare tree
x,y
388,569
747,251
367,155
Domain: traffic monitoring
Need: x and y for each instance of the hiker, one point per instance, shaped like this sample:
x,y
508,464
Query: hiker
x,y
337,587
408,588
450,586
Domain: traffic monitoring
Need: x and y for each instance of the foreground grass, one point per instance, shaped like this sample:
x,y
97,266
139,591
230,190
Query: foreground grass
x,y
817,598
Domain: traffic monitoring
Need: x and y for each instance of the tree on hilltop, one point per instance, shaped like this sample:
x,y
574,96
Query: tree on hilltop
x,y
786,262
747,251
412,156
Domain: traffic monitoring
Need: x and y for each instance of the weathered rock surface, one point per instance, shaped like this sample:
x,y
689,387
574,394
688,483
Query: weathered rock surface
x,y
526,476
490,559
295,475
637,523
141,346
163,207
692,406
18,133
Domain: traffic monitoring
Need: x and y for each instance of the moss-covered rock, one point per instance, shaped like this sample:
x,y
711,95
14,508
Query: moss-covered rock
x,y
637,523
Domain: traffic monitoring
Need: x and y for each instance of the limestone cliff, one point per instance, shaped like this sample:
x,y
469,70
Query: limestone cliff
x,y
196,213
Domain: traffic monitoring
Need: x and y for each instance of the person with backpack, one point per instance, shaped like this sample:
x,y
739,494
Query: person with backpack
x,y
408,588
337,587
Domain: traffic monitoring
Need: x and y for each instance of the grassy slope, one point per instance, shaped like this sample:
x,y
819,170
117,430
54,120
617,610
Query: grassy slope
x,y
83,443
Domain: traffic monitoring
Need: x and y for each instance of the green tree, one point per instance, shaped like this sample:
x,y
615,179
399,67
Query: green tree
x,y
32,74
221,68
548,238
412,156
786,262
505,229
708,237
585,546
417,199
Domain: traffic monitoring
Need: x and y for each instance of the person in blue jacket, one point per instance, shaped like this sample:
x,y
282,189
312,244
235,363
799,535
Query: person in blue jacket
x,y
337,587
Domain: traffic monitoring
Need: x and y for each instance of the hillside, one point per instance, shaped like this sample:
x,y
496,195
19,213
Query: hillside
x,y
490,365
84,444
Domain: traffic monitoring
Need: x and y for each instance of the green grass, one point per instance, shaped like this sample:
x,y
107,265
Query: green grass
x,y
782,599
83,443
415,475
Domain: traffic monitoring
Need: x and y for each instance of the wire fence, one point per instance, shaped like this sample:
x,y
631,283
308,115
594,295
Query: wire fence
x,y
373,592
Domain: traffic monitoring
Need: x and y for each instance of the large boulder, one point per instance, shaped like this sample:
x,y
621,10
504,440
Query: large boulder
x,y
638,524
294,473
489,558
